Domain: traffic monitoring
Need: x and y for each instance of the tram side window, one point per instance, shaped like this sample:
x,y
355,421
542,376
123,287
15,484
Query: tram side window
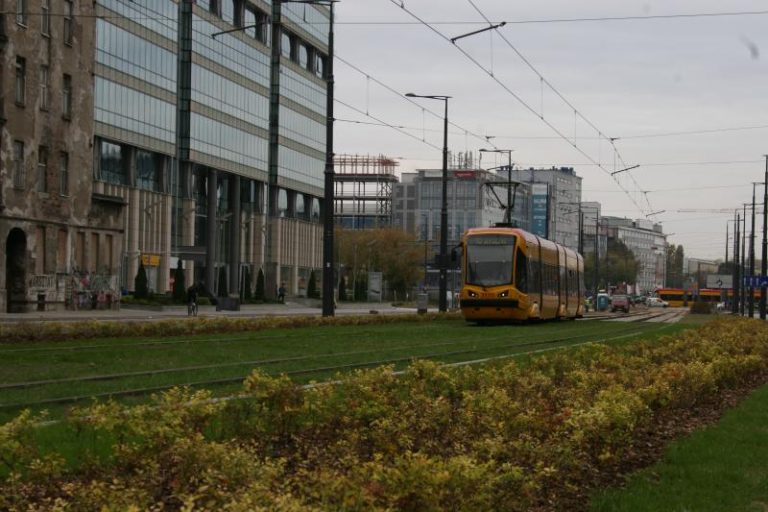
x,y
521,272
534,276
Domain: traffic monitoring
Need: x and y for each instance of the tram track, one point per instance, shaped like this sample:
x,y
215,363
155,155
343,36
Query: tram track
x,y
564,340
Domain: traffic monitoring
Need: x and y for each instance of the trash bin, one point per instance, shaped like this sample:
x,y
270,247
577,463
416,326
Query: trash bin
x,y
603,302
422,300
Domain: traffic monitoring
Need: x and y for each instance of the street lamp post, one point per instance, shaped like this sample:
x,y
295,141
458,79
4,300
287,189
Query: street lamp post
x,y
442,300
508,210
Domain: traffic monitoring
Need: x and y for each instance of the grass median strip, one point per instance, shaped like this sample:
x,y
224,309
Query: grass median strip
x,y
722,467
306,353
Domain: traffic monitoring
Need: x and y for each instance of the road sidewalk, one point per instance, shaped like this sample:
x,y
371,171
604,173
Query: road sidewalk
x,y
136,313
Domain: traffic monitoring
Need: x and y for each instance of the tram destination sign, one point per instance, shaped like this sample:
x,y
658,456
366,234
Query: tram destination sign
x,y
491,240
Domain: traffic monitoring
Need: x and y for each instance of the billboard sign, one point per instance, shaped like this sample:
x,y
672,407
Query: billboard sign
x,y
719,281
540,209
374,286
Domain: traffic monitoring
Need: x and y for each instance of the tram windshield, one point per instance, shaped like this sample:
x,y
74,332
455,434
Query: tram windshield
x,y
489,259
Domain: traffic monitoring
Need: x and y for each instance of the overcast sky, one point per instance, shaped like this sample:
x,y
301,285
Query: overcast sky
x,y
633,80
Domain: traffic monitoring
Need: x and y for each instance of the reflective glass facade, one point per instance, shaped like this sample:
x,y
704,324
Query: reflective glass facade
x,y
121,50
123,107
230,80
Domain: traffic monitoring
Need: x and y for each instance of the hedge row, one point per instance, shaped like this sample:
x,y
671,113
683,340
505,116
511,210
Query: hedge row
x,y
66,331
505,437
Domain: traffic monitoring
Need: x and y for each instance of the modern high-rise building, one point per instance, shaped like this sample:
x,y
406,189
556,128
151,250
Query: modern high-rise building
x,y
555,198
144,132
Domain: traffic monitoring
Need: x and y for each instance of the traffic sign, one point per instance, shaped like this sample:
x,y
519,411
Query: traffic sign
x,y
755,281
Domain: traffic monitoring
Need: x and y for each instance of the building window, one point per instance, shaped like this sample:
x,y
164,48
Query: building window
x,y
304,56
18,164
69,10
64,173
249,22
42,169
44,89
228,11
286,45
20,92
282,203
111,165
21,12
263,25
66,97
148,170
45,19
320,65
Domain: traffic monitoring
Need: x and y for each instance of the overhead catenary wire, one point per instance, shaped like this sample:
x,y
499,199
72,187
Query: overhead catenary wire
x,y
400,95
513,94
646,17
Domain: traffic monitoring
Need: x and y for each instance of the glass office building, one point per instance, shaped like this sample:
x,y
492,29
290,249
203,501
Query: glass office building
x,y
182,135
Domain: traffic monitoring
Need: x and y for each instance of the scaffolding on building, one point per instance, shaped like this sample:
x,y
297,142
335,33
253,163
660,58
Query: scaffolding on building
x,y
363,190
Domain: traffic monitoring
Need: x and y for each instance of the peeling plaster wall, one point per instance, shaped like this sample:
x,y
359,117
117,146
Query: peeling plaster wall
x,y
50,217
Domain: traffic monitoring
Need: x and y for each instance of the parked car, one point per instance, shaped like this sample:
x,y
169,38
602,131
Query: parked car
x,y
655,302
620,303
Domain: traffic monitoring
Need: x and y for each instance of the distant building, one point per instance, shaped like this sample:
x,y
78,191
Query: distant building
x,y
363,190
555,198
471,203
648,244
591,224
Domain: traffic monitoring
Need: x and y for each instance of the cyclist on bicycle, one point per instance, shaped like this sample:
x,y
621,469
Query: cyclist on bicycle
x,y
192,300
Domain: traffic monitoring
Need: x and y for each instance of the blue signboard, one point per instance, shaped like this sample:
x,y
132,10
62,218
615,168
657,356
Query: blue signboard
x,y
540,210
755,281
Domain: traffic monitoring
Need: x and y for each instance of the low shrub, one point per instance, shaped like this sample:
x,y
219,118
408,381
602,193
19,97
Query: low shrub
x,y
701,307
505,437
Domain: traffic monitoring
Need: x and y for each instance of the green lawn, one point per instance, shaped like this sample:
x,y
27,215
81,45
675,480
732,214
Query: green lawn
x,y
721,468
36,375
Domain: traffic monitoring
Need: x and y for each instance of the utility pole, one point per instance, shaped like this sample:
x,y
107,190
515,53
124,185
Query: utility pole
x,y
752,258
744,258
736,276
764,262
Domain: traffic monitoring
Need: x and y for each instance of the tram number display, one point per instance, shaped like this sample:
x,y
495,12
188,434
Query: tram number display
x,y
491,240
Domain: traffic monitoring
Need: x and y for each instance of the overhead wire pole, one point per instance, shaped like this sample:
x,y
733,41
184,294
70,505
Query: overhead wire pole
x,y
443,263
329,306
764,262
736,273
752,257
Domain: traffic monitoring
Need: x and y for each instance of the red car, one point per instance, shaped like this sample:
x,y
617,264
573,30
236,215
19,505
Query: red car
x,y
619,302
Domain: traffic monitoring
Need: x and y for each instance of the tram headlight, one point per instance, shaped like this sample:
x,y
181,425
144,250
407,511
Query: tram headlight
x,y
472,294
503,294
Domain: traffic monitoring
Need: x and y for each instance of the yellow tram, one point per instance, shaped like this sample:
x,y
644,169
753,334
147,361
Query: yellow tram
x,y
510,274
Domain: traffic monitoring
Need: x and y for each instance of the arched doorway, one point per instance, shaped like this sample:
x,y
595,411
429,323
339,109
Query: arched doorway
x,y
16,271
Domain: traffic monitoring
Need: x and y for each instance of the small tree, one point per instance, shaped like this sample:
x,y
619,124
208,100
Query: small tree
x,y
223,290
247,294
342,288
312,286
179,285
141,290
260,286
